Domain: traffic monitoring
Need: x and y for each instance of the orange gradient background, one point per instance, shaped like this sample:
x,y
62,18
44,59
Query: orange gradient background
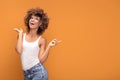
x,y
90,34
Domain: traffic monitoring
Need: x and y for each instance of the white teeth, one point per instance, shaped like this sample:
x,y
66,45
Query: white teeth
x,y
32,24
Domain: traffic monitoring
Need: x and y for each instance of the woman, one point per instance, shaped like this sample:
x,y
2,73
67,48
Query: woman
x,y
32,46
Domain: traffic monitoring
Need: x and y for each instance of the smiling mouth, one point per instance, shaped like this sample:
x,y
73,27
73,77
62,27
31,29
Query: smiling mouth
x,y
32,23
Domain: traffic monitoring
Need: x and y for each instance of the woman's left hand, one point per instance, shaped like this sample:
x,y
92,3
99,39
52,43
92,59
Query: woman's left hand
x,y
54,42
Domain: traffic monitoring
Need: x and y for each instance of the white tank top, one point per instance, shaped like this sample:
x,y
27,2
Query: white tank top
x,y
30,53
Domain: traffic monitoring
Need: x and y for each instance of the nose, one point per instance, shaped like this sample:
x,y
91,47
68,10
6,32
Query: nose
x,y
32,19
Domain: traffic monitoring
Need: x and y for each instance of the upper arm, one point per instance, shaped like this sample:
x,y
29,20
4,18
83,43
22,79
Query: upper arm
x,y
42,45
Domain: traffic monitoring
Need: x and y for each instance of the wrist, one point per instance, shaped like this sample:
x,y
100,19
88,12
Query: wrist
x,y
20,35
49,46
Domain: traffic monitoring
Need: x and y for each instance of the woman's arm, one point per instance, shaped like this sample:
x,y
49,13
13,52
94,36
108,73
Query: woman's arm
x,y
19,41
44,52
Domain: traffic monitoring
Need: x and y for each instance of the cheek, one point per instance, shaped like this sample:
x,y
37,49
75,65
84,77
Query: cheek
x,y
29,20
38,23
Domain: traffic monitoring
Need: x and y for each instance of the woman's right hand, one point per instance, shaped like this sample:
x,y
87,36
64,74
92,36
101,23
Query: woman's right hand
x,y
20,31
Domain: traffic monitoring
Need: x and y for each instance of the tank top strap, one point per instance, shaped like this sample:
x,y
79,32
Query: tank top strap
x,y
38,38
24,35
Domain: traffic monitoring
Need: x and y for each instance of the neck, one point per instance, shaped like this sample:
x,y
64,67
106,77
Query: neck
x,y
33,33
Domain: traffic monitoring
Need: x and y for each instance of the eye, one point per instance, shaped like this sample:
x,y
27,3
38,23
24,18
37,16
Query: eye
x,y
31,17
37,18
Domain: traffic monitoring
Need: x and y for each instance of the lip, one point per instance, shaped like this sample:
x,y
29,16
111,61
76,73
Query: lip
x,y
32,23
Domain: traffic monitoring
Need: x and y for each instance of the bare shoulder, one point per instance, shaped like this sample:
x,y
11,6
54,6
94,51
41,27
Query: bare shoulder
x,y
42,41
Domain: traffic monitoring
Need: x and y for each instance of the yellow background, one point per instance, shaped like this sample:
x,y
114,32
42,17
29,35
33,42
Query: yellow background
x,y
90,34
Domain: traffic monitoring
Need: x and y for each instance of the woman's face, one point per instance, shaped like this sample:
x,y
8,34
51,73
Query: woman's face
x,y
34,22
